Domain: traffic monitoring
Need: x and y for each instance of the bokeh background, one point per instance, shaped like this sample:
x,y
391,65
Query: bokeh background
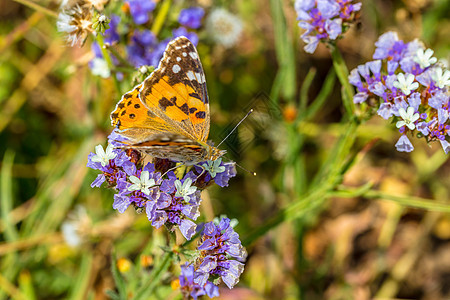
x,y
342,245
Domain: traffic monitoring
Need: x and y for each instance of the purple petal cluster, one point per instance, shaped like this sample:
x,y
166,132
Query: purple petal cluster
x,y
191,289
143,48
220,178
111,34
221,254
191,17
324,20
405,83
140,9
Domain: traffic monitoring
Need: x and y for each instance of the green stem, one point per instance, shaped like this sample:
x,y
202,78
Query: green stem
x,y
107,57
155,277
297,209
145,291
120,58
342,73
161,17
409,201
37,7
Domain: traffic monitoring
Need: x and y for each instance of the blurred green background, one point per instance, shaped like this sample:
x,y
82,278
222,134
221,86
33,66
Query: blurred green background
x,y
340,246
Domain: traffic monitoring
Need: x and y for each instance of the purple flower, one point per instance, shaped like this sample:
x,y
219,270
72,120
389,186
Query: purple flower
x,y
111,34
140,10
181,31
403,144
400,81
141,48
222,254
190,288
191,17
324,20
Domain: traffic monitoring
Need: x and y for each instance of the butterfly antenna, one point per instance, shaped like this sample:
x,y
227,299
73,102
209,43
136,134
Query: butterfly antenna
x,y
253,173
251,110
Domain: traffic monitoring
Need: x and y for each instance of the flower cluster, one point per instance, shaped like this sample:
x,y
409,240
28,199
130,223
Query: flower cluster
x,y
174,202
153,187
221,254
190,288
405,82
219,259
324,20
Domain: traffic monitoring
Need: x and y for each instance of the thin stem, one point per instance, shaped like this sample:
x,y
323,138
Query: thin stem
x,y
404,200
107,57
37,7
342,73
120,57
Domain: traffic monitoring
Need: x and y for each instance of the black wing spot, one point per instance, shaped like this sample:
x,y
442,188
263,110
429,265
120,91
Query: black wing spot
x,y
200,114
127,96
164,103
137,106
192,110
195,95
132,116
185,108
114,116
123,113
129,103
120,105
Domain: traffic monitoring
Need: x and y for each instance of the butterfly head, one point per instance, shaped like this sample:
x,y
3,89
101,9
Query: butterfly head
x,y
214,153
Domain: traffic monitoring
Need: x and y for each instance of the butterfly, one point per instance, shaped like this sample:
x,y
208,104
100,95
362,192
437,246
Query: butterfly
x,y
167,115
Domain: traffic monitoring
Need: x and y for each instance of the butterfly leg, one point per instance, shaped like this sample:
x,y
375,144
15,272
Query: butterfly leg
x,y
171,169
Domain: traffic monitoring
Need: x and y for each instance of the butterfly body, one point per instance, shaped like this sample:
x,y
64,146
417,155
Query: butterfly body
x,y
167,116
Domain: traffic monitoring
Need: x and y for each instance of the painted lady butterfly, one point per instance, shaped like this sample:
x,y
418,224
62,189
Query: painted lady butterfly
x,y
167,116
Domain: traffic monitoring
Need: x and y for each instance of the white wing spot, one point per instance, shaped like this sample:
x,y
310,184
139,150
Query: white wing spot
x,y
176,68
184,54
190,75
184,46
193,55
200,77
178,58
177,47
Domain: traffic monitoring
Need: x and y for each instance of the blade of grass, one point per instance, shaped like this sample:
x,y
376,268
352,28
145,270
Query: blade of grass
x,y
326,90
6,200
405,200
161,17
10,289
285,55
38,8
304,90
81,284
26,285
